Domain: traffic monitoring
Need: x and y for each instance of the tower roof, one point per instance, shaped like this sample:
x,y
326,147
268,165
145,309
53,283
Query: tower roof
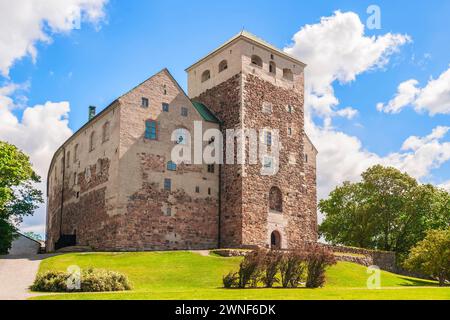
x,y
245,35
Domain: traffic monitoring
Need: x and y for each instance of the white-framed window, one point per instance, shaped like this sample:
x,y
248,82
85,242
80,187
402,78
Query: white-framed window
x,y
268,137
267,107
268,162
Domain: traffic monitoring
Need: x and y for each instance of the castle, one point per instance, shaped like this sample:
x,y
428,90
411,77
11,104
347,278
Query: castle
x,y
113,185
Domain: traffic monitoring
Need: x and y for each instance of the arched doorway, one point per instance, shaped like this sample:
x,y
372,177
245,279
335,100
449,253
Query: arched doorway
x,y
275,240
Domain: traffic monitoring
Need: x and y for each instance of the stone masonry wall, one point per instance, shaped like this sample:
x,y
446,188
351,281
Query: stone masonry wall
x,y
297,221
225,101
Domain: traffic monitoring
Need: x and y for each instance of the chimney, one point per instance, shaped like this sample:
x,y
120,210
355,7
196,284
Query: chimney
x,y
91,112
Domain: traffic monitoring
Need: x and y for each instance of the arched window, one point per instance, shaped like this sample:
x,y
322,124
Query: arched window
x,y
223,65
272,67
105,133
287,74
92,141
206,75
256,60
275,199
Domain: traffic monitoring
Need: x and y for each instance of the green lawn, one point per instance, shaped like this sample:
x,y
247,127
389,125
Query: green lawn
x,y
187,275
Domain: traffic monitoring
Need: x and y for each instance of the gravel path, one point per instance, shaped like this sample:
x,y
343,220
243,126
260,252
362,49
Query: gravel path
x,y
17,273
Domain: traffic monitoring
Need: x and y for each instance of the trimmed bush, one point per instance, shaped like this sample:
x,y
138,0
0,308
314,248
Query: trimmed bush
x,y
250,268
292,268
318,258
51,281
92,280
272,266
230,280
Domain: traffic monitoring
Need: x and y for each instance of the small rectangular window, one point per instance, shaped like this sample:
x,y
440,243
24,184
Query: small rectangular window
x,y
167,184
211,168
306,157
197,189
165,107
269,138
209,191
267,108
68,159
144,102
289,131
268,162
168,211
171,166
184,111
150,130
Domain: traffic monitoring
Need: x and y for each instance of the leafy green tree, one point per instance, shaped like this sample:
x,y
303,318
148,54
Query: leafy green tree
x,y
431,256
18,195
387,210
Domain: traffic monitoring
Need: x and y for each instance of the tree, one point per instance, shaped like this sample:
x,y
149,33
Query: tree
x,y
431,256
18,196
387,210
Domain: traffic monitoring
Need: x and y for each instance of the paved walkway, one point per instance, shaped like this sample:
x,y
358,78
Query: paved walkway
x,y
17,273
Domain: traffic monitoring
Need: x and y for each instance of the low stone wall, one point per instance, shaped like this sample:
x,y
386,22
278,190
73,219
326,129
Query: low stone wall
x,y
385,260
231,252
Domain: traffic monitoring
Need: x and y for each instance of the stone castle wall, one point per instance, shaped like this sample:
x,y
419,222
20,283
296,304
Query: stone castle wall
x,y
225,101
118,200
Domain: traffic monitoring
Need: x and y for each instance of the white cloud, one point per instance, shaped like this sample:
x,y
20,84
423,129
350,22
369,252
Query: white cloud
x,y
343,158
42,128
39,132
25,22
406,94
445,185
434,98
336,49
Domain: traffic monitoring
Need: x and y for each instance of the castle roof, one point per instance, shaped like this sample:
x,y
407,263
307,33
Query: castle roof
x,y
245,35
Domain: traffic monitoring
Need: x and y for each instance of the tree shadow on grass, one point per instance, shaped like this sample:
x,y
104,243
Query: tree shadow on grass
x,y
417,282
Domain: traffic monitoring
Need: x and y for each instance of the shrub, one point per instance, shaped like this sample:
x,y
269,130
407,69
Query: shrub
x,y
272,266
51,281
92,280
230,280
96,280
250,267
431,256
318,258
292,268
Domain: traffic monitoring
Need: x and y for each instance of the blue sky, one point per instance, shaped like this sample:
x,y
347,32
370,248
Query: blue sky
x,y
134,39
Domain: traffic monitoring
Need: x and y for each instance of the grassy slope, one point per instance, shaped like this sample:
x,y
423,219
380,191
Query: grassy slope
x,y
186,275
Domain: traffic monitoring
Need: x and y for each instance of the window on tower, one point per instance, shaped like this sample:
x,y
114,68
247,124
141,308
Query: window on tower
x,y
257,61
206,75
223,65
275,199
272,67
287,74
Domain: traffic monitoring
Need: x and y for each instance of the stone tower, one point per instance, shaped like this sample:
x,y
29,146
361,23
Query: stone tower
x,y
250,84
